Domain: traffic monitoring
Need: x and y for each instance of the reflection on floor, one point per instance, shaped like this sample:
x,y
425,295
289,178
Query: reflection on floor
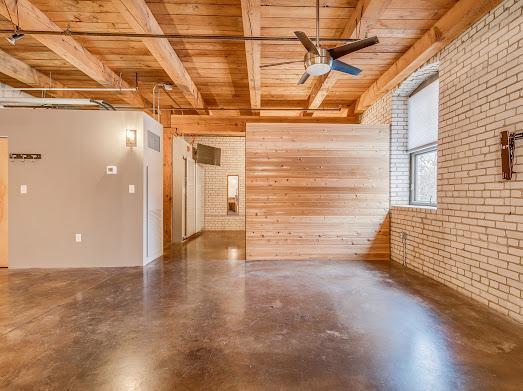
x,y
187,323
211,246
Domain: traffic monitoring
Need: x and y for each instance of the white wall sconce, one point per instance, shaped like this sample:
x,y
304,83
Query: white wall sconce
x,y
130,137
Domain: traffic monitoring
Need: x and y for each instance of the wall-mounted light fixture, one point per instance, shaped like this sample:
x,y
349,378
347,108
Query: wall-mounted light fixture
x,y
508,148
130,137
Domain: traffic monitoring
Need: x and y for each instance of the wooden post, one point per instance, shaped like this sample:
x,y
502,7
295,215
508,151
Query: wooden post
x,y
167,178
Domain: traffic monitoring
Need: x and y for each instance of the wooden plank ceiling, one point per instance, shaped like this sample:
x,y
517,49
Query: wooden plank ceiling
x,y
219,70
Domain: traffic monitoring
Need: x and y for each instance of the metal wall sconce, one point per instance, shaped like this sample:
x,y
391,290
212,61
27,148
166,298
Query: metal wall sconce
x,y
130,137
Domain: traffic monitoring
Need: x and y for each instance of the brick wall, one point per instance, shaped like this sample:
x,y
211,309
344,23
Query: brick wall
x,y
215,188
379,112
473,241
392,109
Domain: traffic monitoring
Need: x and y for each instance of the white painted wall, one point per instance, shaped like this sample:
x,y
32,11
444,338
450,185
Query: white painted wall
x,y
69,191
194,207
178,191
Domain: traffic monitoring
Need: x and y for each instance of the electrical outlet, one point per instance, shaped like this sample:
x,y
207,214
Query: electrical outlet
x,y
23,189
131,189
403,236
78,238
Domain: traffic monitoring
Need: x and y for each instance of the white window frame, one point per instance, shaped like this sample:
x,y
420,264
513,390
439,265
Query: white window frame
x,y
420,151
415,152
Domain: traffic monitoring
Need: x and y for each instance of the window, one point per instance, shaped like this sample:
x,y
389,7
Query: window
x,y
423,165
422,143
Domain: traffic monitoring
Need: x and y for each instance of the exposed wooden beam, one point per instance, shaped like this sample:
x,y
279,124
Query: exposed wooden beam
x,y
165,119
31,18
345,111
235,126
454,22
252,27
142,20
20,71
364,16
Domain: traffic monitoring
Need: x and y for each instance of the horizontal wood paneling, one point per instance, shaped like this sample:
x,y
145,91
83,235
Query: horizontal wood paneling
x,y
317,191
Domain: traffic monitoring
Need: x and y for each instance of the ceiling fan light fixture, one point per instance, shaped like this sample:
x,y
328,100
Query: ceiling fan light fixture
x,y
318,69
317,65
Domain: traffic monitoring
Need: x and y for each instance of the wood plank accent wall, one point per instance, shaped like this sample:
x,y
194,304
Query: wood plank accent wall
x,y
317,191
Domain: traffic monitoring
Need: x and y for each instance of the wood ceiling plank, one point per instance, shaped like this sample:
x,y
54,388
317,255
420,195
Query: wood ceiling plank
x,y
299,11
68,48
140,17
365,16
456,20
251,27
20,71
310,3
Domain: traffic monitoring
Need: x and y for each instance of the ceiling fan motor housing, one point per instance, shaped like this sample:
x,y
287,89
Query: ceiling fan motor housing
x,y
317,65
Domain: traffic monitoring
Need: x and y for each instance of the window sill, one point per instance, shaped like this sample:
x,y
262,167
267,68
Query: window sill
x,y
415,207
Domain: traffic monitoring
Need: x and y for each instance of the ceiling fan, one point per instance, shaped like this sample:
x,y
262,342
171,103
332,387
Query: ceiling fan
x,y
319,61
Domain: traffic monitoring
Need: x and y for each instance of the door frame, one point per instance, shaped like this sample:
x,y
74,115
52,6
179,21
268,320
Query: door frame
x,y
4,194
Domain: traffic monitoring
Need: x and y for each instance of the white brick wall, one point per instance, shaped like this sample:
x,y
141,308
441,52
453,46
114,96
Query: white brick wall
x,y
473,242
393,109
232,163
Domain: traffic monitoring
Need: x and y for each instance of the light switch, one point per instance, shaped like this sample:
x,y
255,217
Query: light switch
x,y
111,170
23,189
131,189
78,238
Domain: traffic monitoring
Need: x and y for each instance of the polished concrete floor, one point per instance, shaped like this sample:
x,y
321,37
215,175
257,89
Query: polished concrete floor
x,y
201,318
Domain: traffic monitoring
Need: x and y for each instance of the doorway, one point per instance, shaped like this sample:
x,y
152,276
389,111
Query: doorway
x,y
4,159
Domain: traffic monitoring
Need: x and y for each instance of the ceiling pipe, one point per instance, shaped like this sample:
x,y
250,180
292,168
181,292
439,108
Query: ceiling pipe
x,y
336,109
72,89
104,105
18,101
206,37
156,97
47,101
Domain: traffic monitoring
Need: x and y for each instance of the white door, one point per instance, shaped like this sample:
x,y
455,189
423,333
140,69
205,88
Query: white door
x,y
190,198
200,195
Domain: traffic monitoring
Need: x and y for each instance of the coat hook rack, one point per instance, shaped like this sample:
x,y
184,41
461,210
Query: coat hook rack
x,y
25,156
508,146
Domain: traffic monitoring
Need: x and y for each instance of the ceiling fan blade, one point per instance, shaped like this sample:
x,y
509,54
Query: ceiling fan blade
x,y
340,66
280,63
303,78
305,41
341,51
